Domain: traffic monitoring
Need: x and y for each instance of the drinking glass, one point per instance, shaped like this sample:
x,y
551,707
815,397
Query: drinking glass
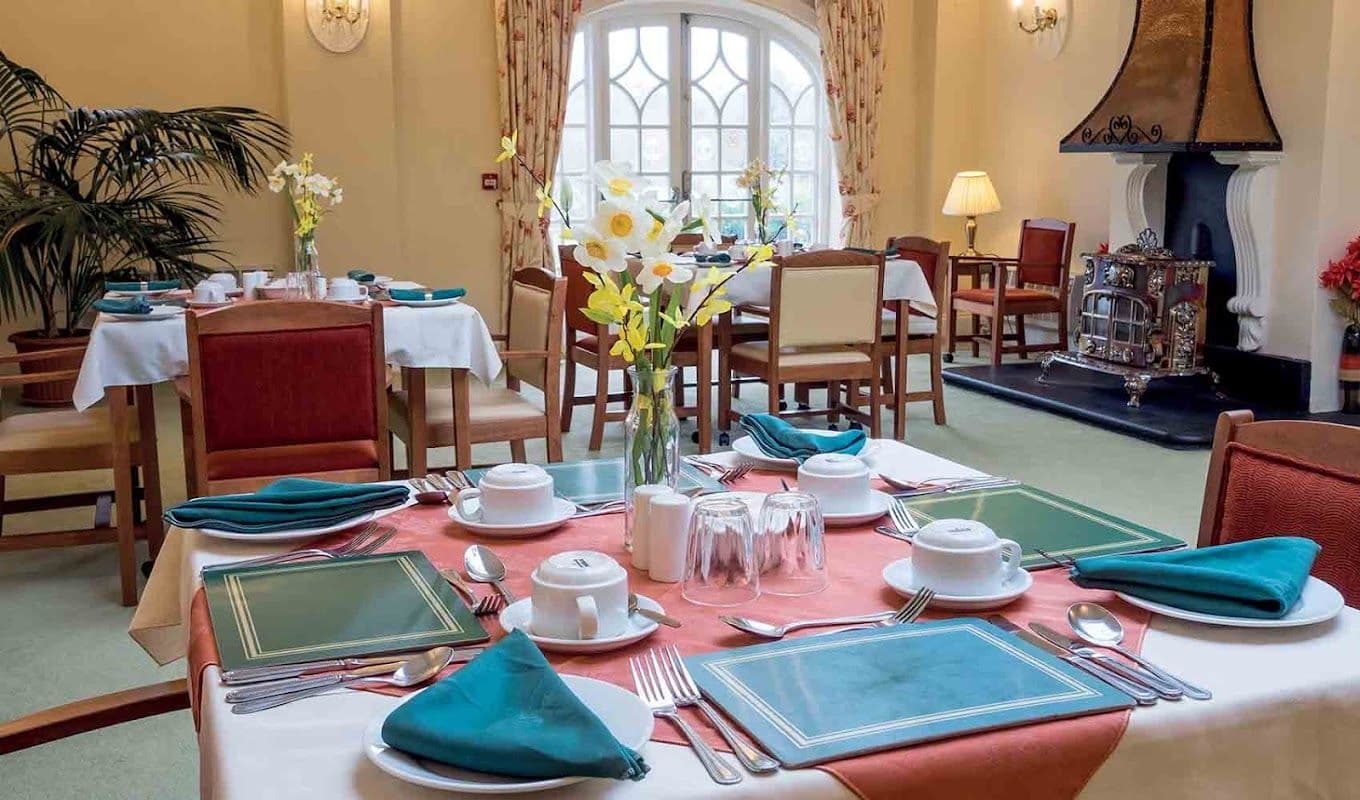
x,y
790,545
720,564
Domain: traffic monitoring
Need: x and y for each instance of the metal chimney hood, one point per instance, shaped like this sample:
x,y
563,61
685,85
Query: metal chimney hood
x,y
1188,83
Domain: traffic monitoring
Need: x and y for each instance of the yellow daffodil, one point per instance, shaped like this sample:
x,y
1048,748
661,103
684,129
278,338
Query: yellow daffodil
x,y
625,223
599,252
760,256
567,235
509,147
544,195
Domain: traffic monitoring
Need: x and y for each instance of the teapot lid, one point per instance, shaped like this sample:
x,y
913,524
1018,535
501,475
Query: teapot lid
x,y
834,465
511,476
578,568
955,534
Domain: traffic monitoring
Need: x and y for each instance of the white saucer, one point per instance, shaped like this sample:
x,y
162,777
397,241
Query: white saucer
x,y
290,535
448,301
1319,602
879,503
520,613
746,447
899,576
156,312
563,510
623,712
351,300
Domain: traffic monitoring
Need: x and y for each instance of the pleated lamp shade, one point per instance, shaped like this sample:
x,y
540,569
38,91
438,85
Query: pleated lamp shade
x,y
970,195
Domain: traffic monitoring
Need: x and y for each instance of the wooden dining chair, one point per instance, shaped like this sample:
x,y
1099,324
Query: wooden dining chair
x,y
284,388
472,412
70,440
94,713
587,345
1043,260
824,328
1287,478
908,332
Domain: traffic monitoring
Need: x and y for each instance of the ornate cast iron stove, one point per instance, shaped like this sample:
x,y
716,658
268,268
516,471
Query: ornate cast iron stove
x,y
1142,316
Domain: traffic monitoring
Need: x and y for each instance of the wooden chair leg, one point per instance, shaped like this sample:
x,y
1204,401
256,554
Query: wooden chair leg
x,y
998,332
553,442
703,391
774,392
2,502
1062,328
568,388
899,393
976,327
1020,334
725,386
952,333
517,453
123,498
875,403
936,382
151,469
601,404
186,427
834,391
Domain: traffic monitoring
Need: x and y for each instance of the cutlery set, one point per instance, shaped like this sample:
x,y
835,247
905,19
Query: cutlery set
x,y
362,543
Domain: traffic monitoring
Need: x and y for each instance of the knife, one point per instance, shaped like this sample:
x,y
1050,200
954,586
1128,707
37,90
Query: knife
x,y
246,675
1141,695
1164,690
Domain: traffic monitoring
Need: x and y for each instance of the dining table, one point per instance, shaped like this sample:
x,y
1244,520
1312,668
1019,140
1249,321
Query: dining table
x,y
903,279
1284,720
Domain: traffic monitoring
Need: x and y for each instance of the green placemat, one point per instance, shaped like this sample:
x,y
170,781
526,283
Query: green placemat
x,y
1038,520
287,613
600,480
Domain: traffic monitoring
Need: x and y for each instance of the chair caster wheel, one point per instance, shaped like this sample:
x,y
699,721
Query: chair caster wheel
x,y
855,426
783,406
694,437
724,440
947,358
146,568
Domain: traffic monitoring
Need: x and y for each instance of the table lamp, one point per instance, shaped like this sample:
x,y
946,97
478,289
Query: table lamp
x,y
971,195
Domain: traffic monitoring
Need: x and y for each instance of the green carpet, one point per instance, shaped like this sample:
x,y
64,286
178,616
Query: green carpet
x,y
63,634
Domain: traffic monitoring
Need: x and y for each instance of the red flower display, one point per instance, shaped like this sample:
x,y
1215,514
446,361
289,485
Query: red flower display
x,y
1342,276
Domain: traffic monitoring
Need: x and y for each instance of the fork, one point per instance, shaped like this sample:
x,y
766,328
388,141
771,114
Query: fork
x,y
902,518
489,605
686,692
457,479
654,692
732,474
348,548
910,612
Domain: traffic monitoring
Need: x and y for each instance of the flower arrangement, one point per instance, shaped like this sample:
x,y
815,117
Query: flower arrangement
x,y
763,182
306,190
1342,276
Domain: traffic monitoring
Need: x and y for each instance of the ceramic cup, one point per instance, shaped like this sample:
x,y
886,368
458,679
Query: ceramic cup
x,y
250,281
783,247
210,291
579,594
509,494
346,289
227,279
963,557
839,481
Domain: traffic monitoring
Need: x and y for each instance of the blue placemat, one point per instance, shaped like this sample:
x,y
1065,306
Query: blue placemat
x,y
820,698
601,480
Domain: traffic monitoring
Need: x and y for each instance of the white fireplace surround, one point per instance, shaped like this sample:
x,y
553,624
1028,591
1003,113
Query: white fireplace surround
x,y
1138,201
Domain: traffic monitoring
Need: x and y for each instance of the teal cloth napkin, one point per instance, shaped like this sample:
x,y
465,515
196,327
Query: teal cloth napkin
x,y
286,504
713,258
778,439
426,294
1258,579
360,275
135,286
125,305
508,713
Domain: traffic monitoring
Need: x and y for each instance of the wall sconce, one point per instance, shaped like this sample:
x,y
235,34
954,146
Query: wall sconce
x,y
338,25
1045,22
1045,17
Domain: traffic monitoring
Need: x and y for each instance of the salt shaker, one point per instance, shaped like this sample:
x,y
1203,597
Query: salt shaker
x,y
642,497
668,529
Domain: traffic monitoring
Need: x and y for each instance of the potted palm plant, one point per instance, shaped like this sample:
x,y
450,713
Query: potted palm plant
x,y
92,194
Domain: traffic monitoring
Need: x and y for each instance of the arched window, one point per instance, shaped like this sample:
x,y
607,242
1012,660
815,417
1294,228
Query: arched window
x,y
689,99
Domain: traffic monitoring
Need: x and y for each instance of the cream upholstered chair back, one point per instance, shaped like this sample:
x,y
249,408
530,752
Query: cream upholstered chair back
x,y
830,297
535,325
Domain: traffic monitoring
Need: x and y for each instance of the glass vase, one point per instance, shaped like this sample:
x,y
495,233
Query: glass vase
x,y
306,276
651,438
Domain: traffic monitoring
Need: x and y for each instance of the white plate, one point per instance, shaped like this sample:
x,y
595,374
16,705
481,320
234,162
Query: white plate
x,y
747,449
291,535
879,503
519,615
899,576
563,510
157,312
448,301
1319,602
622,712
389,285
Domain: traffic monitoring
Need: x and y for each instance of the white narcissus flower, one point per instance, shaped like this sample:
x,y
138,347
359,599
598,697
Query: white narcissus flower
x,y
600,253
661,268
617,182
662,232
277,182
705,215
623,221
337,196
319,185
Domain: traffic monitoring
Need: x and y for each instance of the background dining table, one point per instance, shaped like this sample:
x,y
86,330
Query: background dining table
x,y
1284,721
903,279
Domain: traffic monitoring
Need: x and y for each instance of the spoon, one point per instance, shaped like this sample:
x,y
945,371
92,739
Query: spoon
x,y
1095,624
769,631
484,566
414,670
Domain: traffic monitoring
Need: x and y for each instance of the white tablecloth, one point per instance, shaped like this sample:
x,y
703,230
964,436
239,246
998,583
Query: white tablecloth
x,y
1284,721
902,280
137,353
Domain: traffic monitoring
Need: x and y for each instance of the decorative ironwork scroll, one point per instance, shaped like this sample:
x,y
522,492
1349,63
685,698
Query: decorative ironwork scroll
x,y
1121,129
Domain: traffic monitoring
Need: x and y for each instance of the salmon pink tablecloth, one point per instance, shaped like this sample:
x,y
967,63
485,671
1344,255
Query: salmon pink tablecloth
x,y
1048,760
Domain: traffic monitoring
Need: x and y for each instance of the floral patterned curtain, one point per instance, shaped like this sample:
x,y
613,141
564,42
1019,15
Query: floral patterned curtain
x,y
533,45
851,33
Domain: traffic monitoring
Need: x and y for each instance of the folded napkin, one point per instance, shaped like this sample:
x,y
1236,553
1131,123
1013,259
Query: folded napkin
x,y
125,305
508,713
713,258
426,294
285,504
360,275
1258,579
139,286
778,439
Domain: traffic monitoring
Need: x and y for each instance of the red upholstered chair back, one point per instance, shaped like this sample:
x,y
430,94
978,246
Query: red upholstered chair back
x,y
288,387
931,255
1288,478
1045,251
578,293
